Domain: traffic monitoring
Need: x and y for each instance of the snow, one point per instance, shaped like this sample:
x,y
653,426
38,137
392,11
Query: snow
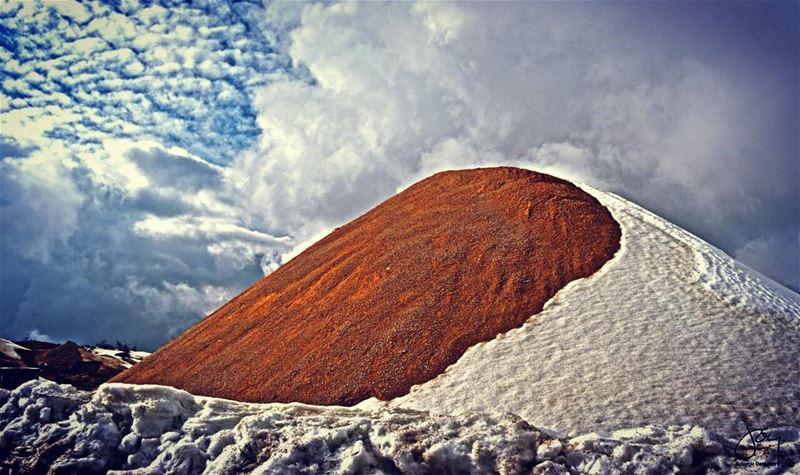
x,y
9,349
672,358
155,430
669,331
135,356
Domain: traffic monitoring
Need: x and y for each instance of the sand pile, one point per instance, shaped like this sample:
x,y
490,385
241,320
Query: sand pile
x,y
394,297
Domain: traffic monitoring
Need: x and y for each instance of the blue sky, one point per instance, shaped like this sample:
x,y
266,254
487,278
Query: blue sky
x,y
158,157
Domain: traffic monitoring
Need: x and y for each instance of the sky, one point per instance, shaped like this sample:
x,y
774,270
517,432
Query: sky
x,y
159,157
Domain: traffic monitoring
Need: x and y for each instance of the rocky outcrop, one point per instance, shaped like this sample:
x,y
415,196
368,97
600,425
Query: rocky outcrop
x,y
85,367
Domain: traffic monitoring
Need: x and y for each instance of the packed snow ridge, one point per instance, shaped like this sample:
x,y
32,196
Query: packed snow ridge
x,y
51,428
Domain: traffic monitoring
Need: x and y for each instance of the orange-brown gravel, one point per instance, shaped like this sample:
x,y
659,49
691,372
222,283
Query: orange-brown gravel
x,y
394,297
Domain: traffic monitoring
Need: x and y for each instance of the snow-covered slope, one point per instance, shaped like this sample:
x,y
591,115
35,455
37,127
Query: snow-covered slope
x,y
669,331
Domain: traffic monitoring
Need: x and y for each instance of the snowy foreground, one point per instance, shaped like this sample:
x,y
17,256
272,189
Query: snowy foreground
x,y
155,429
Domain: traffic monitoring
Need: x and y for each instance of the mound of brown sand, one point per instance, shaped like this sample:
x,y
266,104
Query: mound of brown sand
x,y
395,296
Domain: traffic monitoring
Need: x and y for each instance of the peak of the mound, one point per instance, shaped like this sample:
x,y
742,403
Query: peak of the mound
x,y
394,297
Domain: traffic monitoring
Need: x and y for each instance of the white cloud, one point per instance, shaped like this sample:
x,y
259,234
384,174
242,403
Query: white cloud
x,y
152,14
169,302
211,229
70,9
30,124
113,27
36,335
87,46
134,68
119,55
402,90
84,117
44,210
137,241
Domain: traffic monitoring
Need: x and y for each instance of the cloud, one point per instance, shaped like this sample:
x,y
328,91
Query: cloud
x,y
125,249
152,60
44,207
156,160
403,90
174,168
36,335
774,255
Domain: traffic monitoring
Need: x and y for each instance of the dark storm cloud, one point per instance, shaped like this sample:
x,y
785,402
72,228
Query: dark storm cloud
x,y
168,170
139,266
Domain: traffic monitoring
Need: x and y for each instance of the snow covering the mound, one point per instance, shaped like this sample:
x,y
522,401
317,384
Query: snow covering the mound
x,y
154,429
669,331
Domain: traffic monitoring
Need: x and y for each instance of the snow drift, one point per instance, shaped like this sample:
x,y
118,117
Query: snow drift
x,y
50,428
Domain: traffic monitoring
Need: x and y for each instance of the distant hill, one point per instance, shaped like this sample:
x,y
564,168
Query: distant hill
x,y
85,367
